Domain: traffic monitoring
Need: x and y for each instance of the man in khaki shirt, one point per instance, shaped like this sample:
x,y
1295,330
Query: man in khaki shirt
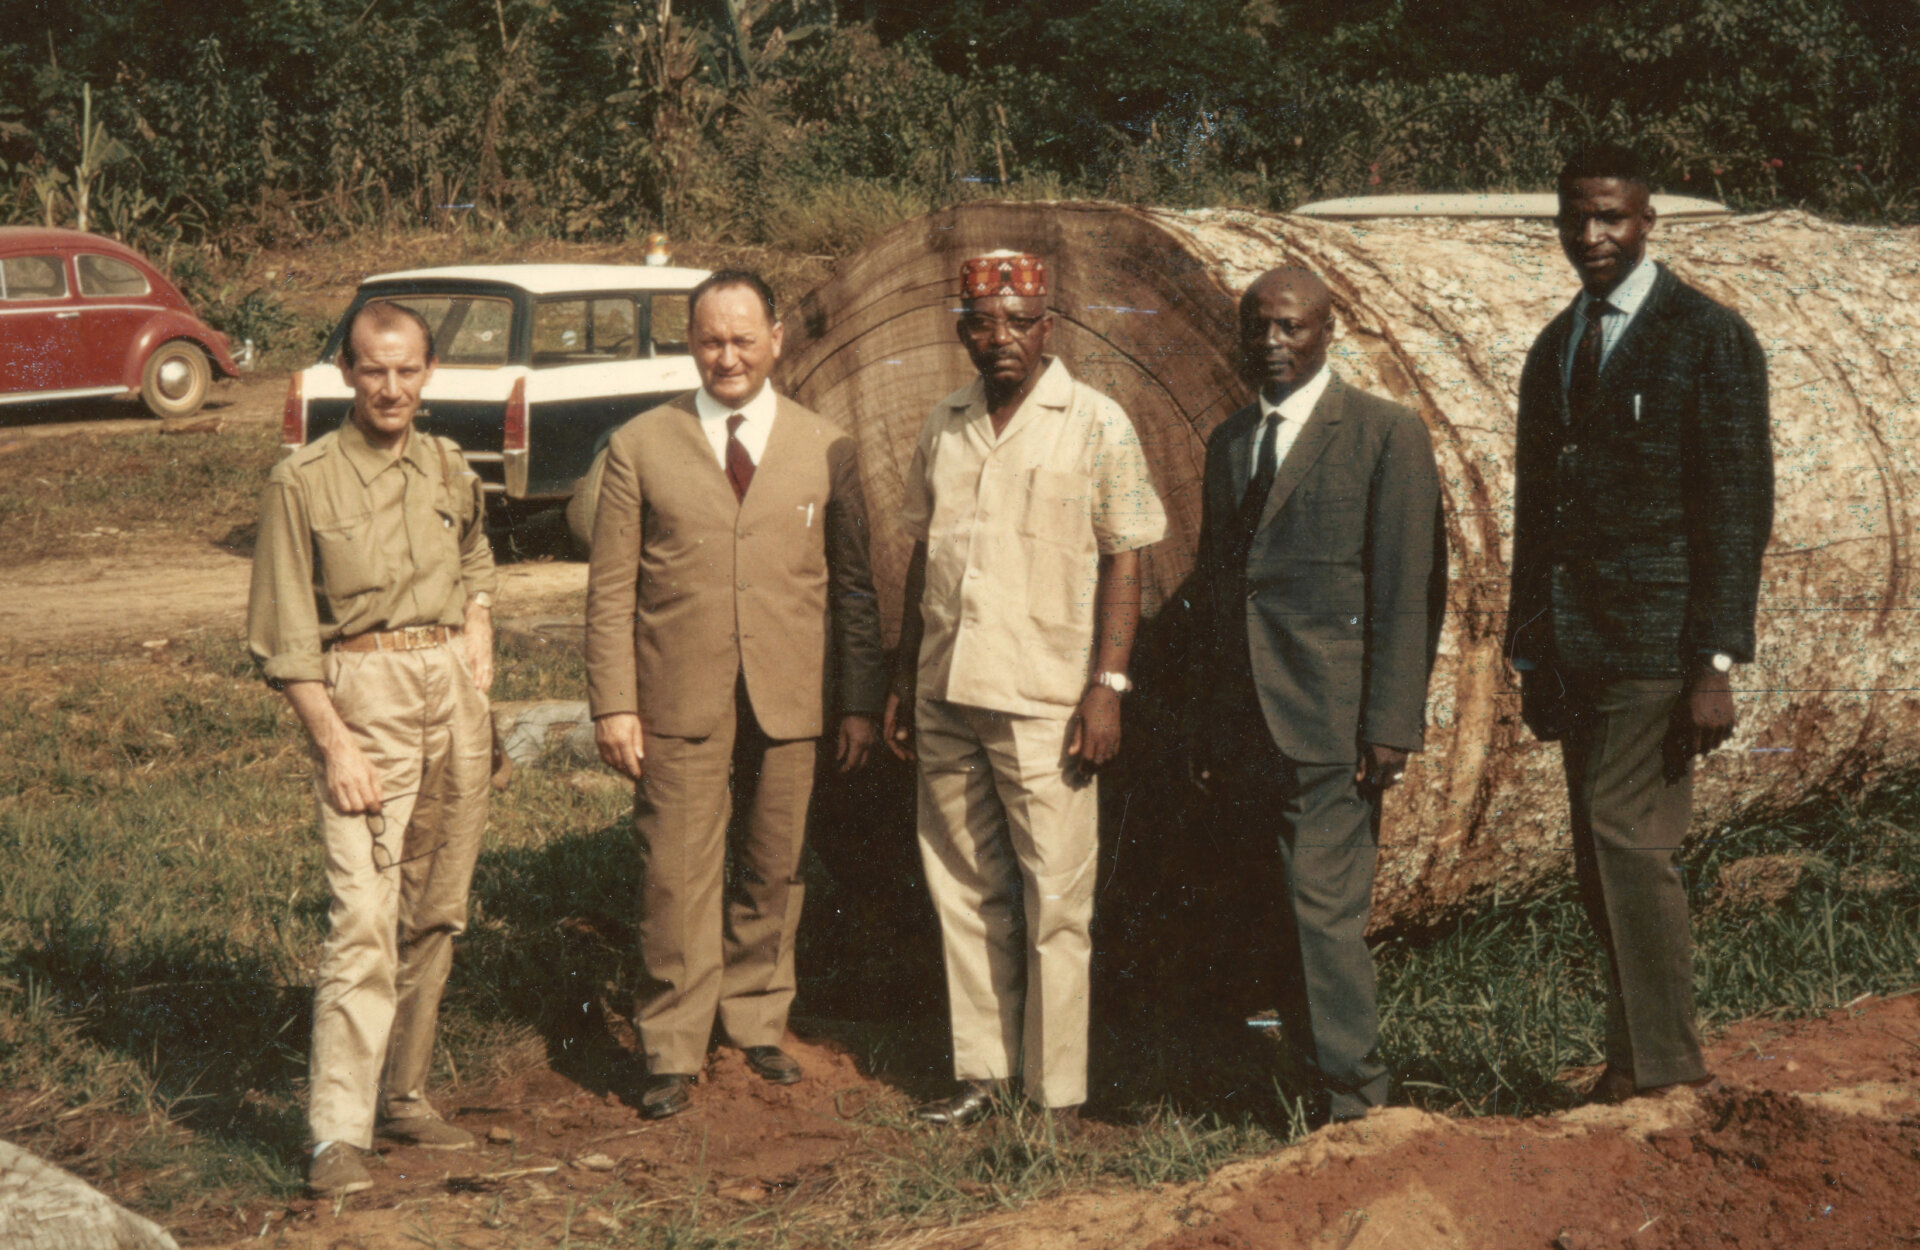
x,y
370,611
1029,499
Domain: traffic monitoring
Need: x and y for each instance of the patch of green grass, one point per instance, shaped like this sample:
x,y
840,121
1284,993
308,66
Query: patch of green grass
x,y
162,905
1484,1018
56,494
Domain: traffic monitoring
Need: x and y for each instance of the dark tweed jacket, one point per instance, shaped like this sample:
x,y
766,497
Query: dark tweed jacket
x,y
1639,547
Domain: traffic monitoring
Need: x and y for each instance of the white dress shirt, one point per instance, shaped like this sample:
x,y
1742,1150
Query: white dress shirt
x,y
758,412
1624,300
1294,411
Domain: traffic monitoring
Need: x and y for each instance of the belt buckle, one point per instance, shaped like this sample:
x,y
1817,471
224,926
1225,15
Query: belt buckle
x,y
417,637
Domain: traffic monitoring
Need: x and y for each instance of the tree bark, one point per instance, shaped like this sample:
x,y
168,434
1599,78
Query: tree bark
x,y
1439,315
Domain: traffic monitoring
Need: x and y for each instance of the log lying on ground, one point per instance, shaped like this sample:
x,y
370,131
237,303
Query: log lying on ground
x,y
1439,314
44,1208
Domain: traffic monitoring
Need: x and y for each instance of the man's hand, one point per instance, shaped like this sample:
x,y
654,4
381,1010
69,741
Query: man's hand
x,y
897,724
477,635
1704,716
857,732
618,736
353,783
1093,735
1380,767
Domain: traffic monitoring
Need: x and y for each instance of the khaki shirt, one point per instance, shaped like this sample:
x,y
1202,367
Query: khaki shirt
x,y
1015,527
353,538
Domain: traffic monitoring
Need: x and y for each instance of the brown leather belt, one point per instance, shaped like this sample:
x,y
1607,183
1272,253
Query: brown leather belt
x,y
410,638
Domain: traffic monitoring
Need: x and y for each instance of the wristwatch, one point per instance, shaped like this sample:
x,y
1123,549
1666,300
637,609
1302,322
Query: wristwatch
x,y
1720,660
1116,682
483,598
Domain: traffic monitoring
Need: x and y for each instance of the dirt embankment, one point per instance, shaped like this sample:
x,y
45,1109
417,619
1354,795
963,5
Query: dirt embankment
x,y
1813,1142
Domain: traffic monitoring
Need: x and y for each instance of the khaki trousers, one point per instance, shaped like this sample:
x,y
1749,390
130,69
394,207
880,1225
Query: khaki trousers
x,y
1629,818
422,723
1010,849
714,944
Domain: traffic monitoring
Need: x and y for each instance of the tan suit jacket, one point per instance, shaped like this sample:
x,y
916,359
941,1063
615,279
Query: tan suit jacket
x,y
688,587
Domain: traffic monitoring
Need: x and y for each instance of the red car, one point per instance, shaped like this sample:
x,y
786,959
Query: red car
x,y
81,315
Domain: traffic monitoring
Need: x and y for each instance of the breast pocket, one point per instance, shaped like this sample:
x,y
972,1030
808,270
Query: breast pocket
x,y
1328,525
343,550
1058,508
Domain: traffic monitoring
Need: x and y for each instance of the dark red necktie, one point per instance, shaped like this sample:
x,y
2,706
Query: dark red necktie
x,y
739,463
1583,384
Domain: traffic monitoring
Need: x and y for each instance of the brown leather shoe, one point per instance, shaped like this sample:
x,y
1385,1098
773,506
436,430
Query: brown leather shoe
x,y
773,1065
666,1095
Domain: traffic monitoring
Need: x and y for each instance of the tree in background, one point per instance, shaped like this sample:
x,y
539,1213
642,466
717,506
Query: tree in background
x,y
809,124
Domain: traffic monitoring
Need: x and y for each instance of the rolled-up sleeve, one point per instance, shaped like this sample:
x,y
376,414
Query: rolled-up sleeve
x,y
1127,513
476,556
916,502
283,625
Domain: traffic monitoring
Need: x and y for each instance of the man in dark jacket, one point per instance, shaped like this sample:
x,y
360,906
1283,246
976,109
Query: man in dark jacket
x,y
1315,582
1642,503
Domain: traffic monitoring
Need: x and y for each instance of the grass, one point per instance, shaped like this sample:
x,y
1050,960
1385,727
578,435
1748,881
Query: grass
x,y
161,905
78,495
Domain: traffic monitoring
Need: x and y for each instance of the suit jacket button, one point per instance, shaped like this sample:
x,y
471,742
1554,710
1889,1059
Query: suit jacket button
x,y
739,585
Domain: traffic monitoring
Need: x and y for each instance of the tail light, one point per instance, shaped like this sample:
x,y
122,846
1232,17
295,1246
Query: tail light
x,y
293,415
513,434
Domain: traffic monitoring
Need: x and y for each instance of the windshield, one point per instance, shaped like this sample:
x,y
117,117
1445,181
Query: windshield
x,y
469,331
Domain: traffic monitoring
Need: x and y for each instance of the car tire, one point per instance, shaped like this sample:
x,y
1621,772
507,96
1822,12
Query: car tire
x,y
176,379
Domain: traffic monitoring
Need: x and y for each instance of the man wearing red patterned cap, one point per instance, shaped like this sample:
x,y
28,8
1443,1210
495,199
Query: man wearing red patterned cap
x,y
1028,500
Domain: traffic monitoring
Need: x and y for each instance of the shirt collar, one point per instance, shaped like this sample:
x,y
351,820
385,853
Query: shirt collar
x,y
1632,291
1298,405
1054,389
758,411
370,461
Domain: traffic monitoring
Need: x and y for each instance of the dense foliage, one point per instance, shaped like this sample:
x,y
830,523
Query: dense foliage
x,y
809,123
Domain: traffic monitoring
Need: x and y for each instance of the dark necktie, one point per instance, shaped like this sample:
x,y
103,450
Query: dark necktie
x,y
1259,486
1583,384
739,463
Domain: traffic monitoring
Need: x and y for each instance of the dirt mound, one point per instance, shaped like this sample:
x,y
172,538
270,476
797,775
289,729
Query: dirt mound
x,y
1813,1141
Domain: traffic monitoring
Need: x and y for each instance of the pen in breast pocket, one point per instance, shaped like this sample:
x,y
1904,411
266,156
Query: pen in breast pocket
x,y
809,508
1636,405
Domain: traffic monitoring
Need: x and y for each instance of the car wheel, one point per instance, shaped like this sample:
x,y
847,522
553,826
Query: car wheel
x,y
176,380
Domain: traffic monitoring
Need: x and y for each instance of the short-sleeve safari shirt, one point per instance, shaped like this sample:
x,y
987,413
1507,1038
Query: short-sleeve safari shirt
x,y
353,538
1015,527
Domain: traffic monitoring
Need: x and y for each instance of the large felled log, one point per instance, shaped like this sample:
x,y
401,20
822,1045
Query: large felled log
x,y
44,1208
1439,314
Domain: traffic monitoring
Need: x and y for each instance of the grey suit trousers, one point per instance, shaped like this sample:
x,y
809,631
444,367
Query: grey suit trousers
x,y
1323,832
1629,818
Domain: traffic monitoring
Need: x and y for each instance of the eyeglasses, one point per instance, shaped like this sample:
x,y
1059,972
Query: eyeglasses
x,y
981,326
377,827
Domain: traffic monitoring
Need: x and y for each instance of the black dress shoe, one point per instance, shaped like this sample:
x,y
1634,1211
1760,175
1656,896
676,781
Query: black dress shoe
x,y
773,1065
666,1095
974,1103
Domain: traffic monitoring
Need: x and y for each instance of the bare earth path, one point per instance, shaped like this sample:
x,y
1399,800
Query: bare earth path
x,y
143,591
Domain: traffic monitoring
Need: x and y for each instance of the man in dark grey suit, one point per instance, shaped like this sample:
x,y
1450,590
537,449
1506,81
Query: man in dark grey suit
x,y
1642,502
1313,584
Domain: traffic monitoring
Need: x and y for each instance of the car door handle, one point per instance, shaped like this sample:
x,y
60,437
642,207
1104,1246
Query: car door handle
x,y
65,316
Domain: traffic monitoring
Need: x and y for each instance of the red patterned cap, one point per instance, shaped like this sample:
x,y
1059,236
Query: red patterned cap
x,y
1003,273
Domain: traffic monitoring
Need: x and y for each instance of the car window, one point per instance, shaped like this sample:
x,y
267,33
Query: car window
x,y
103,275
667,322
32,277
584,331
469,331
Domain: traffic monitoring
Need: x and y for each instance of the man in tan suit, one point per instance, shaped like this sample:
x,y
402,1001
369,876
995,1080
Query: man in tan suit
x,y
729,554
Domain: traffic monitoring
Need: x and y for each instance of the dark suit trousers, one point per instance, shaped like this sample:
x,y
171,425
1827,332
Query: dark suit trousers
x,y
1322,834
1628,821
713,944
